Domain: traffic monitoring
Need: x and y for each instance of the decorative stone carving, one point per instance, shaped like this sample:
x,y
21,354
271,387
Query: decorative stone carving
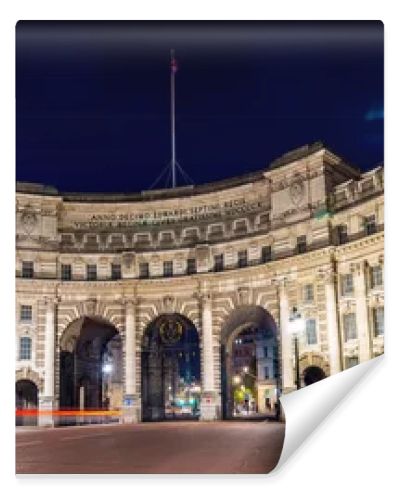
x,y
29,220
128,260
90,307
244,295
168,304
297,189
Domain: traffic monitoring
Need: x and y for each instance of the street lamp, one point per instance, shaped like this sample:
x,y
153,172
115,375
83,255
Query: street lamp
x,y
237,379
296,328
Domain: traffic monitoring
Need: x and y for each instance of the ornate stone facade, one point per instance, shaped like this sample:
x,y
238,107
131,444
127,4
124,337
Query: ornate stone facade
x,y
306,232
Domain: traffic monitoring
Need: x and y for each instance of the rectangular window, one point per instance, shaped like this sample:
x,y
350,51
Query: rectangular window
x,y
370,225
191,266
342,231
350,361
265,352
26,313
219,262
144,270
266,371
266,254
379,318
349,326
25,348
66,272
376,276
27,269
91,272
311,331
301,244
242,258
116,271
347,284
168,268
308,293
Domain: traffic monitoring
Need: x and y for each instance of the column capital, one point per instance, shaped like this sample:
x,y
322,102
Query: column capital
x,y
327,275
204,297
130,302
51,301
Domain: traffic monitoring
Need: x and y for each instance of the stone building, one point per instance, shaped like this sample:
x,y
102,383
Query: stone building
x,y
182,272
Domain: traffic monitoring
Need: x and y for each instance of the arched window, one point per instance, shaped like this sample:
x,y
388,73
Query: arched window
x,y
25,348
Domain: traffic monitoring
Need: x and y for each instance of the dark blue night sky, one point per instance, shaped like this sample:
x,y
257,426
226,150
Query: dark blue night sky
x,y
93,98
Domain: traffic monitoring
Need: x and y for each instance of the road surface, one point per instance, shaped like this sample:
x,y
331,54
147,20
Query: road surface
x,y
166,447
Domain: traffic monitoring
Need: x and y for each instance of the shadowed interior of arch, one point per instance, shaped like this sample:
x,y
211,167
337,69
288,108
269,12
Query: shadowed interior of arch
x,y
171,383
90,366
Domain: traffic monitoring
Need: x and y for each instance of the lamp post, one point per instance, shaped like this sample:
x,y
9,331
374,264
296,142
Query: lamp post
x,y
296,327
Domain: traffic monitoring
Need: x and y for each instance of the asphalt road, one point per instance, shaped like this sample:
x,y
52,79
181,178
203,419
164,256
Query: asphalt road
x,y
167,447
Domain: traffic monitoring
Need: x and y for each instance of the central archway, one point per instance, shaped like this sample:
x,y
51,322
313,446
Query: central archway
x,y
250,368
170,369
90,367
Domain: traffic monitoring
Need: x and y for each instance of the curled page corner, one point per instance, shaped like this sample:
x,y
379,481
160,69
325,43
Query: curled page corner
x,y
305,409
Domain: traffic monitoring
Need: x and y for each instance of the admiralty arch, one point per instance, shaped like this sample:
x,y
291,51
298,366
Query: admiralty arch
x,y
137,302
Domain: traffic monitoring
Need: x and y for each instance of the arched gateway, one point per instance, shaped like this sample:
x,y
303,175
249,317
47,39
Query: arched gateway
x,y
121,268
170,369
26,398
90,366
250,374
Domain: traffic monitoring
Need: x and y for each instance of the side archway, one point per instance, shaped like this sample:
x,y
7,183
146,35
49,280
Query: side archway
x,y
313,367
26,398
90,365
250,373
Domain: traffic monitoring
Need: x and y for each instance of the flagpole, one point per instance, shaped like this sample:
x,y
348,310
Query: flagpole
x,y
173,160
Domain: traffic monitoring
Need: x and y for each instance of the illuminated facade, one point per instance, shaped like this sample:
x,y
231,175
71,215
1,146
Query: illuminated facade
x,y
129,280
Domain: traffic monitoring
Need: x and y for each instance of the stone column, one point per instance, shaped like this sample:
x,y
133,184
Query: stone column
x,y
286,339
130,404
46,400
208,407
363,326
335,360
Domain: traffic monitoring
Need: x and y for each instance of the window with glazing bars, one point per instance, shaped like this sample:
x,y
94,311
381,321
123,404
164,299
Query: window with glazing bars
x,y
301,244
168,268
27,269
25,348
26,313
191,266
242,258
266,254
349,326
379,318
376,276
370,224
91,272
144,270
116,271
347,284
308,293
219,262
342,231
311,331
66,272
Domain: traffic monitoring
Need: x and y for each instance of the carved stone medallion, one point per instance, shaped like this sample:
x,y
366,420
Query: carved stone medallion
x,y
29,221
297,190
171,331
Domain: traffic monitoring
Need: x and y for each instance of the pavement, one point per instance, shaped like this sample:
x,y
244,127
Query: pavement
x,y
228,447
